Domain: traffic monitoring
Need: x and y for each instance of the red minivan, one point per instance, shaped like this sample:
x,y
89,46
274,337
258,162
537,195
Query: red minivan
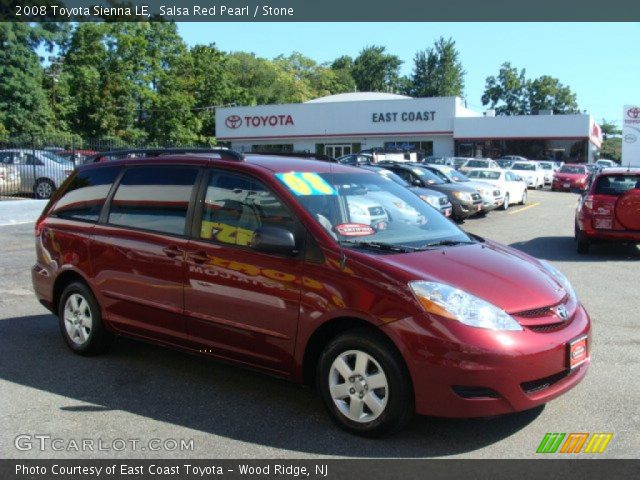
x,y
295,268
609,209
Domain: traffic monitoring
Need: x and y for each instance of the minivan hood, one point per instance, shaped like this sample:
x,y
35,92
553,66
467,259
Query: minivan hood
x,y
496,273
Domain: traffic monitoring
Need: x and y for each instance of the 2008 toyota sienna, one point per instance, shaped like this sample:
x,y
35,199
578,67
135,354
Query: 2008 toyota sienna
x,y
256,260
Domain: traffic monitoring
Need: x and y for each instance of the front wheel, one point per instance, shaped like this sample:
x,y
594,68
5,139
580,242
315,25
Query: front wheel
x,y
364,384
524,197
81,321
44,189
505,205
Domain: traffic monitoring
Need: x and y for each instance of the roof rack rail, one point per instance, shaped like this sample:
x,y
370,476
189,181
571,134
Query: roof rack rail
x,y
224,153
307,155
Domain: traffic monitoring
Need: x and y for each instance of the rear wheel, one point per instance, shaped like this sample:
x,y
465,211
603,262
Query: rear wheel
x,y
364,384
81,321
582,243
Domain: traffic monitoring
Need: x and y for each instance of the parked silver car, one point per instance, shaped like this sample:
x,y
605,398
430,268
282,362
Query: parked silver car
x,y
40,171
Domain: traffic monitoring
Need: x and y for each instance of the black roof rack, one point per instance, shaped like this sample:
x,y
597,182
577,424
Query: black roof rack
x,y
307,155
224,153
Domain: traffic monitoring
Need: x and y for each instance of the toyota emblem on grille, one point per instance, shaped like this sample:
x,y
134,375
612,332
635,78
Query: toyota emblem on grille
x,y
561,311
233,121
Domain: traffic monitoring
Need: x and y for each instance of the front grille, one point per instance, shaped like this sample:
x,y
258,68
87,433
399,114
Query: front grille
x,y
443,200
536,312
376,211
551,327
544,383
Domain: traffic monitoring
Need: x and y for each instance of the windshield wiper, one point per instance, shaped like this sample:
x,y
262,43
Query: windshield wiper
x,y
447,243
387,247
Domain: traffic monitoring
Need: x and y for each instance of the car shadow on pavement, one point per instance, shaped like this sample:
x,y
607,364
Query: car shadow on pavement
x,y
212,397
564,249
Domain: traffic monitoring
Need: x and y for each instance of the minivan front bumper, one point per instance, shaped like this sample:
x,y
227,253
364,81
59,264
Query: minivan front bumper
x,y
488,372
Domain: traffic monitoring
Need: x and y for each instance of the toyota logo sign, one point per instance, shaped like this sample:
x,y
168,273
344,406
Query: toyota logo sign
x,y
633,112
233,121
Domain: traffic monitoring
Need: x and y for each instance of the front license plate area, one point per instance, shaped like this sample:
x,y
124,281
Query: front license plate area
x,y
577,352
566,185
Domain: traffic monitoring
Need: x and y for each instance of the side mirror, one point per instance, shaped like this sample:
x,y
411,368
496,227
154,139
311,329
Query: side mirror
x,y
274,240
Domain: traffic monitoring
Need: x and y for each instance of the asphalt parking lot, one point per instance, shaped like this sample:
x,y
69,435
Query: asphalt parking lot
x,y
143,392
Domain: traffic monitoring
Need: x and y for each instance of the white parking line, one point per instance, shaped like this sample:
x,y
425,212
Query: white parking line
x,y
524,208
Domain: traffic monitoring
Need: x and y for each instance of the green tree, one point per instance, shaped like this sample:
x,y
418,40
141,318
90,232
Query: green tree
x,y
376,71
507,92
612,148
609,129
24,104
438,71
547,93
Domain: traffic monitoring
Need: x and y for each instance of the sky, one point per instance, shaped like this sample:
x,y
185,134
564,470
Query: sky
x,y
599,61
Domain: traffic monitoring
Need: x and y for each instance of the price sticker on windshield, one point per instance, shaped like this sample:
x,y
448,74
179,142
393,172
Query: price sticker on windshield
x,y
306,183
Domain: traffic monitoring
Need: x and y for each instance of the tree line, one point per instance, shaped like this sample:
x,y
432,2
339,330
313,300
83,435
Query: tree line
x,y
141,83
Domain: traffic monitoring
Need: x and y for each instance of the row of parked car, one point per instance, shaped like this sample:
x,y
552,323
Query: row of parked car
x,y
484,185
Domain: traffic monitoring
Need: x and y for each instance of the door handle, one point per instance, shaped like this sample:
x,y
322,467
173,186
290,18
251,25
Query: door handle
x,y
172,251
199,256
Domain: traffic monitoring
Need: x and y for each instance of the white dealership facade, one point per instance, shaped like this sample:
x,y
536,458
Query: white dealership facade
x,y
439,126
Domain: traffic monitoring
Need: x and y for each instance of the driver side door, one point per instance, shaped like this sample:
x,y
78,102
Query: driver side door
x,y
241,304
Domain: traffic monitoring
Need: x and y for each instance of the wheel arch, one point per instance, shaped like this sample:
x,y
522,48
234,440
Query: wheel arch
x,y
330,329
62,281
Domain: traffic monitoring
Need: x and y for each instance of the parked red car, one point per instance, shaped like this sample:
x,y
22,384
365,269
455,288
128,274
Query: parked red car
x,y
570,177
257,260
609,209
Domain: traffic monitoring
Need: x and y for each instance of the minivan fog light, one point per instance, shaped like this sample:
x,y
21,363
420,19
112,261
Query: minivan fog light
x,y
450,302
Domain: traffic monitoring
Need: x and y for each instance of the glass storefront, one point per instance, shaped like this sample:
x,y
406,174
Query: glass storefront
x,y
566,150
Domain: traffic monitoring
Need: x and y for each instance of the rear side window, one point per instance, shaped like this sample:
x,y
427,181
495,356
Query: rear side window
x,y
86,194
235,206
154,198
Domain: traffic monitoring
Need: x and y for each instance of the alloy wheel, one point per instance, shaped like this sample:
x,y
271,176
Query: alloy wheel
x,y
77,319
358,386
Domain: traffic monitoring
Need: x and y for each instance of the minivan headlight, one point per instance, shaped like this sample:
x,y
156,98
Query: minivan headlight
x,y
559,277
431,200
450,302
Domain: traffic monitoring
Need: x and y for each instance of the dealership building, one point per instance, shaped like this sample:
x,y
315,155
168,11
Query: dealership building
x,y
440,126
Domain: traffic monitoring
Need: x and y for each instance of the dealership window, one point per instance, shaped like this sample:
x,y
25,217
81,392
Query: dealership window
x,y
338,150
154,198
277,148
567,150
404,146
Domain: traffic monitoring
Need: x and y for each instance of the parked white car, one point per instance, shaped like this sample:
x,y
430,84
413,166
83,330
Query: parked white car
x,y
492,197
477,163
531,172
514,188
606,163
549,168
9,180
40,172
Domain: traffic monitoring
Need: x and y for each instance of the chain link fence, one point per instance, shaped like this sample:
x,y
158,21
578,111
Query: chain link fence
x,y
34,166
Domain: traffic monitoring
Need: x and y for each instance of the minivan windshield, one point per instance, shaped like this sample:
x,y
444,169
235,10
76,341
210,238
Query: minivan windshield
x,y
370,211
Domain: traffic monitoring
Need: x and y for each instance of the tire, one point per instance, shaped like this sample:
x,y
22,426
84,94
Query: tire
x,y
505,205
524,197
43,189
80,321
347,367
582,243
